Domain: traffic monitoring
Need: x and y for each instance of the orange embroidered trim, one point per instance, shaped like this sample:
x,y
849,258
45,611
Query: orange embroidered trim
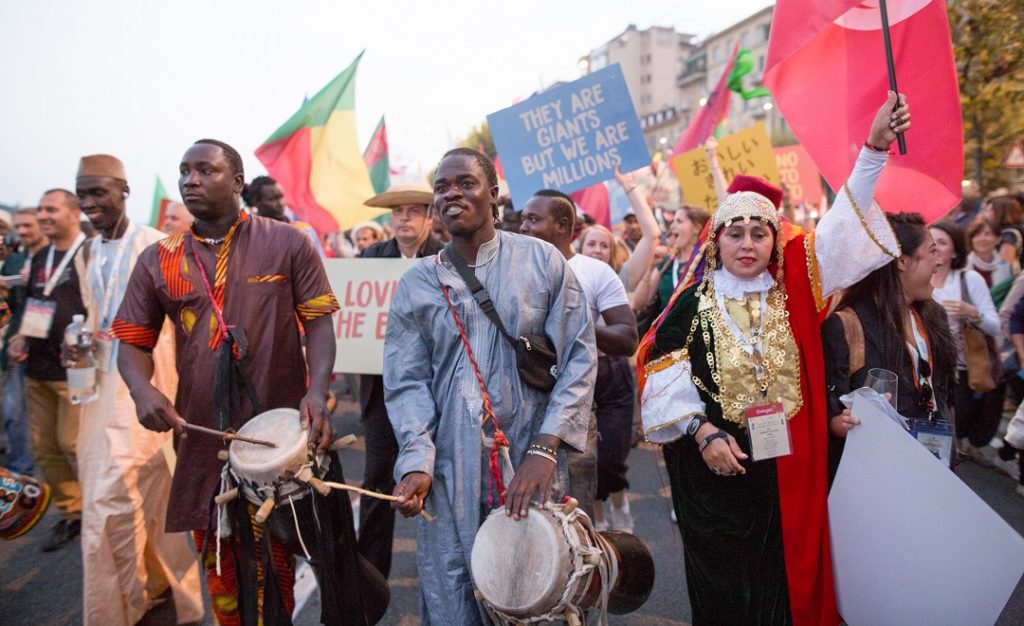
x,y
221,272
171,255
134,334
268,278
317,307
813,271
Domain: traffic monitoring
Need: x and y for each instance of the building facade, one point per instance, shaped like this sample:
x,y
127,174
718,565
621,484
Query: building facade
x,y
651,61
750,33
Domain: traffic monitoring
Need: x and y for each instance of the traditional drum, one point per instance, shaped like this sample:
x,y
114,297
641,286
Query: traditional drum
x,y
275,475
310,520
552,565
23,502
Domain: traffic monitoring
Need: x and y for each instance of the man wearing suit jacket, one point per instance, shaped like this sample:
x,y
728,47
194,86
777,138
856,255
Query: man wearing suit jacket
x,y
412,221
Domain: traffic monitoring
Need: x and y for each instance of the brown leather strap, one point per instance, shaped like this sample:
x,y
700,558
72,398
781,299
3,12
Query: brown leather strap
x,y
854,332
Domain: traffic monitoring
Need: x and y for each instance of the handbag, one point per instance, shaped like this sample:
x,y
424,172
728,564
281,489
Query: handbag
x,y
979,350
536,358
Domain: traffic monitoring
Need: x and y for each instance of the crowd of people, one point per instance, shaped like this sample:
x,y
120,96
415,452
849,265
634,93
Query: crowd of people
x,y
680,327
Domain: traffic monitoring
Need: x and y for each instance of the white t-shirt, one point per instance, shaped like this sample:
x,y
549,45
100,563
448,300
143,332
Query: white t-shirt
x,y
601,287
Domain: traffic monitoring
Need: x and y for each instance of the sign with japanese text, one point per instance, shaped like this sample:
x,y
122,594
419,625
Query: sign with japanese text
x,y
798,175
569,137
364,288
747,152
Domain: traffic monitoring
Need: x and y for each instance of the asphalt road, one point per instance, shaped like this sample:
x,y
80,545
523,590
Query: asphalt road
x,y
45,589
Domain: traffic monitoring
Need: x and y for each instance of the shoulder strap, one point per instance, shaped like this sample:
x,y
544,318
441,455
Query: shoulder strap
x,y
477,289
965,295
854,332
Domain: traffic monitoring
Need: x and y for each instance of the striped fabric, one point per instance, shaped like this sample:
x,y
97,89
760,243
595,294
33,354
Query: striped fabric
x,y
220,275
317,307
268,278
223,589
172,265
135,335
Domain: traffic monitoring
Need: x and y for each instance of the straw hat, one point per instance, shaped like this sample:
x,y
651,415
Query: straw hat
x,y
402,194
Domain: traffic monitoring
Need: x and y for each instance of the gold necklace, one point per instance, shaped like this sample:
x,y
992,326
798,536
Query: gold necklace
x,y
774,332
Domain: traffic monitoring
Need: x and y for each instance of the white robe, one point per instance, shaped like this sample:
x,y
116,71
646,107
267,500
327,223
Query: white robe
x,y
125,474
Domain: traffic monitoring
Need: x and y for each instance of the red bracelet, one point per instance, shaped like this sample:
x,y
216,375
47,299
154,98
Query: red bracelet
x,y
874,147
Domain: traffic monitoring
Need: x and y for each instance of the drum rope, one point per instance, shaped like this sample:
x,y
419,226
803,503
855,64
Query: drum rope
x,y
496,482
295,518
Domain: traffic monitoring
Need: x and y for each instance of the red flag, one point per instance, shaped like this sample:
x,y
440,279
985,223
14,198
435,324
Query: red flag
x,y
713,113
826,68
593,201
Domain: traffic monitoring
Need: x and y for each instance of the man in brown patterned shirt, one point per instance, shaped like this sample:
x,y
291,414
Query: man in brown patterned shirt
x,y
241,292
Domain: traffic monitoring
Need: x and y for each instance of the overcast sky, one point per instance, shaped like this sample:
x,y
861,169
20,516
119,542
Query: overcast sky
x,y
143,79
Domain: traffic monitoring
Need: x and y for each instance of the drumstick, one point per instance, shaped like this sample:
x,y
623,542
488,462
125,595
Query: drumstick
x,y
373,494
229,436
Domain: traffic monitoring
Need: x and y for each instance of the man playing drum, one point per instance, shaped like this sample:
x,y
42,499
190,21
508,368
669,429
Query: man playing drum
x,y
434,388
234,287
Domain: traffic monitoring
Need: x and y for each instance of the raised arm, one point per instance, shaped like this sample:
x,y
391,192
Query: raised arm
x,y
855,221
640,260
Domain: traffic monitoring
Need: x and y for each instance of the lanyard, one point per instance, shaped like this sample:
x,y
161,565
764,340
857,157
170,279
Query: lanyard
x,y
222,326
675,273
922,349
108,287
53,277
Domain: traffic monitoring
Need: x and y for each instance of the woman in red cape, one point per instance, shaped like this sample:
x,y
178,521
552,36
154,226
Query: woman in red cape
x,y
733,368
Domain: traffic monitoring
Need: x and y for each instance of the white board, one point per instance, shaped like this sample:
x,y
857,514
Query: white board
x,y
911,543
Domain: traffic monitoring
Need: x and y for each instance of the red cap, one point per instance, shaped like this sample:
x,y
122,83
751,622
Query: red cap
x,y
743,182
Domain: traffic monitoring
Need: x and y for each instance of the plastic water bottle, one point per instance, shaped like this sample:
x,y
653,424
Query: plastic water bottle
x,y
81,373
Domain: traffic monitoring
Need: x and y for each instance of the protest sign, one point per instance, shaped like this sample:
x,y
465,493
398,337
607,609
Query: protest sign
x,y
798,175
364,288
747,152
569,137
893,562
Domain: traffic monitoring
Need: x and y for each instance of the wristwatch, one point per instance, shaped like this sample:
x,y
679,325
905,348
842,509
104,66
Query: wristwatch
x,y
694,425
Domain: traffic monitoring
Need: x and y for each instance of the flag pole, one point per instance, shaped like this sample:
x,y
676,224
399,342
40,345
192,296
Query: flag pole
x,y
891,65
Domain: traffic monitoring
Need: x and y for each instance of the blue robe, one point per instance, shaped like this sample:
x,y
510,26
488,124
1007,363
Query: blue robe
x,y
435,405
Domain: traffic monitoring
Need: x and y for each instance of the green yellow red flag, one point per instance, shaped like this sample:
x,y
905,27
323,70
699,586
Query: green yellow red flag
x,y
315,158
160,202
376,157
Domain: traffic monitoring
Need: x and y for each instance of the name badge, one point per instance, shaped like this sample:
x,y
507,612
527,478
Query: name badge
x,y
936,437
768,430
38,318
104,352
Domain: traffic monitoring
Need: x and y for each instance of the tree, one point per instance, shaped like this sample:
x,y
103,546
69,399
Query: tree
x,y
989,53
480,136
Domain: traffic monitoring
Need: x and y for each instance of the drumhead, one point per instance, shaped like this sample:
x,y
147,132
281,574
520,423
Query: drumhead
x,y
521,567
263,464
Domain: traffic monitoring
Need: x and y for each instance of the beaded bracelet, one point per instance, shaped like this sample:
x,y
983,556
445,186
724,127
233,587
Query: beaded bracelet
x,y
544,449
542,454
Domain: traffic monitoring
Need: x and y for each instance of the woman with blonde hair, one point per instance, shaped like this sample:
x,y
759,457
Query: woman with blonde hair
x,y
615,392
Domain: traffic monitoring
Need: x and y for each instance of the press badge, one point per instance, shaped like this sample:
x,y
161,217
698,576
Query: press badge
x,y
104,351
768,431
38,318
936,437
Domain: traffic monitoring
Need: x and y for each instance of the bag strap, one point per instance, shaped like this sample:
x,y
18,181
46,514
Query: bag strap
x,y
499,440
854,332
479,292
964,294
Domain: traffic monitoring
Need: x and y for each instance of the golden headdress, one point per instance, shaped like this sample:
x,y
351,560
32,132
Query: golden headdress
x,y
745,206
